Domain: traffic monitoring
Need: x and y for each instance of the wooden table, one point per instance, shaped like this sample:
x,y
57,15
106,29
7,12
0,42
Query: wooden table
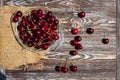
x,y
95,61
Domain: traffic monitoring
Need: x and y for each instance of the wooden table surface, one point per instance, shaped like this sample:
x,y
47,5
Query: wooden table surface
x,y
95,61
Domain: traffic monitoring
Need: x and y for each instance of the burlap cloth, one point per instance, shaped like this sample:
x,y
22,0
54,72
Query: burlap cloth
x,y
11,53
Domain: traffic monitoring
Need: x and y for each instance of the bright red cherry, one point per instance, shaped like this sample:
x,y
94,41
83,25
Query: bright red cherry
x,y
37,32
64,69
54,28
78,38
105,40
74,31
15,19
19,14
73,42
58,68
73,52
73,68
81,14
90,30
34,12
78,46
44,46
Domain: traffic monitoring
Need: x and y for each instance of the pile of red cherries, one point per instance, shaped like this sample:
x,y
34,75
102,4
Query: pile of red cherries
x,y
38,29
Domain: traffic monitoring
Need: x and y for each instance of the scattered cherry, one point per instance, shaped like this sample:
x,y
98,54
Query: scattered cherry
x,y
58,68
78,38
105,40
78,46
81,14
73,42
90,30
73,52
73,68
74,31
64,69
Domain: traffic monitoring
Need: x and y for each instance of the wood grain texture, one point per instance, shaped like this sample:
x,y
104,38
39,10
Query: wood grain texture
x,y
95,61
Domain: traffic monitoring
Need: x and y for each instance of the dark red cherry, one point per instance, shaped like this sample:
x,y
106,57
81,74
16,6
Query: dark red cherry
x,y
56,37
34,12
37,32
73,52
64,69
15,19
19,14
49,14
105,40
54,27
44,46
21,28
74,31
23,22
38,46
78,46
73,68
90,30
81,14
33,27
73,42
40,11
35,39
58,68
77,38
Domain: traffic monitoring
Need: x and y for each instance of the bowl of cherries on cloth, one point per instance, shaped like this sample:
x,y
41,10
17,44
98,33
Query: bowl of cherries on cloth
x,y
35,29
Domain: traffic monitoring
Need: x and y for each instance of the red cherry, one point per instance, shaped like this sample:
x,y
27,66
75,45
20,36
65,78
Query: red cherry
x,y
49,14
30,44
90,30
15,19
73,68
56,37
78,38
37,32
74,31
19,14
64,69
23,22
56,22
33,27
35,39
38,46
44,16
73,52
58,68
105,40
40,11
73,42
81,14
78,46
34,12
21,28
44,46
54,28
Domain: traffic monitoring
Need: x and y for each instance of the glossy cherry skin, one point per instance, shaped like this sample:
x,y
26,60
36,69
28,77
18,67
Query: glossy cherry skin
x,y
19,14
105,40
64,69
15,19
74,31
78,46
77,38
73,42
90,30
73,52
44,46
58,68
82,14
73,68
21,28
